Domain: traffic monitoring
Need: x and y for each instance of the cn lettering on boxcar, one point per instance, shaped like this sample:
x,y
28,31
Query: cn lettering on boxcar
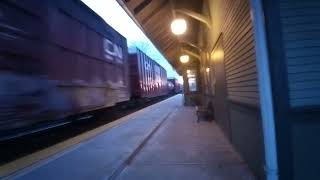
x,y
112,51
65,62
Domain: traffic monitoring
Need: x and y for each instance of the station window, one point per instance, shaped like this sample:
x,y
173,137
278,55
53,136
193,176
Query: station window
x,y
192,80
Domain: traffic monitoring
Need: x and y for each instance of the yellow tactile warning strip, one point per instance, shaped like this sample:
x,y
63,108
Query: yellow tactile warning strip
x,y
33,158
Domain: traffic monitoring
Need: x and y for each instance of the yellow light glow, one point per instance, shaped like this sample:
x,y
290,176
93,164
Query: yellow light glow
x,y
184,58
207,70
218,55
188,71
179,26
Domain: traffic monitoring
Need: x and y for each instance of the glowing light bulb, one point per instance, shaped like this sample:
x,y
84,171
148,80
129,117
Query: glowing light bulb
x,y
184,58
179,26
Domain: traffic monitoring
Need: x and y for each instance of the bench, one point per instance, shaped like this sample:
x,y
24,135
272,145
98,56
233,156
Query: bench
x,y
203,113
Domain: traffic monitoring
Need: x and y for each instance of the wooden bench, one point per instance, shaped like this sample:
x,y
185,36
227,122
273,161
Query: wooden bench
x,y
203,113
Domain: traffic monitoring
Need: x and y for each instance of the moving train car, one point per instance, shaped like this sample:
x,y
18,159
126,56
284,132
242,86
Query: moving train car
x,y
148,79
57,58
174,87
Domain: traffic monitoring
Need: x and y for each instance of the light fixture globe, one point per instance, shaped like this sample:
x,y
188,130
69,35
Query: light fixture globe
x,y
179,26
184,58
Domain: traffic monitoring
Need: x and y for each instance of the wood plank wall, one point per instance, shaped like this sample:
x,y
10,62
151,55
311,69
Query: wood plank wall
x,y
232,19
301,37
232,26
240,61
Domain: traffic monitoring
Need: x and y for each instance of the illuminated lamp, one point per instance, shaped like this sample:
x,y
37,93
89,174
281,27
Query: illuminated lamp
x,y
179,26
184,58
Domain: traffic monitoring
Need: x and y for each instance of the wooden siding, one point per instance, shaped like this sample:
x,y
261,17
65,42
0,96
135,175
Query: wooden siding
x,y
240,64
232,27
301,25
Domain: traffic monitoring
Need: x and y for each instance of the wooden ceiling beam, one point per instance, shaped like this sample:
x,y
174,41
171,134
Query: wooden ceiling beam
x,y
160,7
141,6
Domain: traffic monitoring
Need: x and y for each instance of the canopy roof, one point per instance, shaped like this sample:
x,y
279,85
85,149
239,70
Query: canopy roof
x,y
154,18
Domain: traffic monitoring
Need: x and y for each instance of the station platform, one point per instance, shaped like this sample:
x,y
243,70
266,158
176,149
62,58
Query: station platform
x,y
162,141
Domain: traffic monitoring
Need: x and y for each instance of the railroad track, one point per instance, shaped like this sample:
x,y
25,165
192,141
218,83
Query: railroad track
x,y
28,142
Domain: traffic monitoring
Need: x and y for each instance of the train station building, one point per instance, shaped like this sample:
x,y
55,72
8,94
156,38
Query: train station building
x,y
256,62
250,105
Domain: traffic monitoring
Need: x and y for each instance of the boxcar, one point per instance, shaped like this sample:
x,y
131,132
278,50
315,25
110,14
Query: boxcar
x,y
57,58
148,79
174,87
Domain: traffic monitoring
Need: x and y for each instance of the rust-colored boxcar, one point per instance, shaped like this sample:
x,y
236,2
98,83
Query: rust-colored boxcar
x,y
148,79
174,87
57,58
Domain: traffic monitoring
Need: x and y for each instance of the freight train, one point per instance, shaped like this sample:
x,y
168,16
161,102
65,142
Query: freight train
x,y
59,58
174,87
148,79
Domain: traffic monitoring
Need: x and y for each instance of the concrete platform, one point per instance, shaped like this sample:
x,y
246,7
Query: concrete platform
x,y
185,149
163,141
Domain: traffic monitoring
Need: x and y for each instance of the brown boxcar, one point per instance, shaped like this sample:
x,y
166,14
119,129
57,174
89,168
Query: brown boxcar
x,y
57,58
174,87
148,79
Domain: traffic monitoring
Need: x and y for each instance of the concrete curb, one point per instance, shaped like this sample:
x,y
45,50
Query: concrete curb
x,y
31,161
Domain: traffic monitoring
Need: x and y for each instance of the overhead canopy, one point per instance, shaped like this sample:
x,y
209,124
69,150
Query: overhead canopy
x,y
154,18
